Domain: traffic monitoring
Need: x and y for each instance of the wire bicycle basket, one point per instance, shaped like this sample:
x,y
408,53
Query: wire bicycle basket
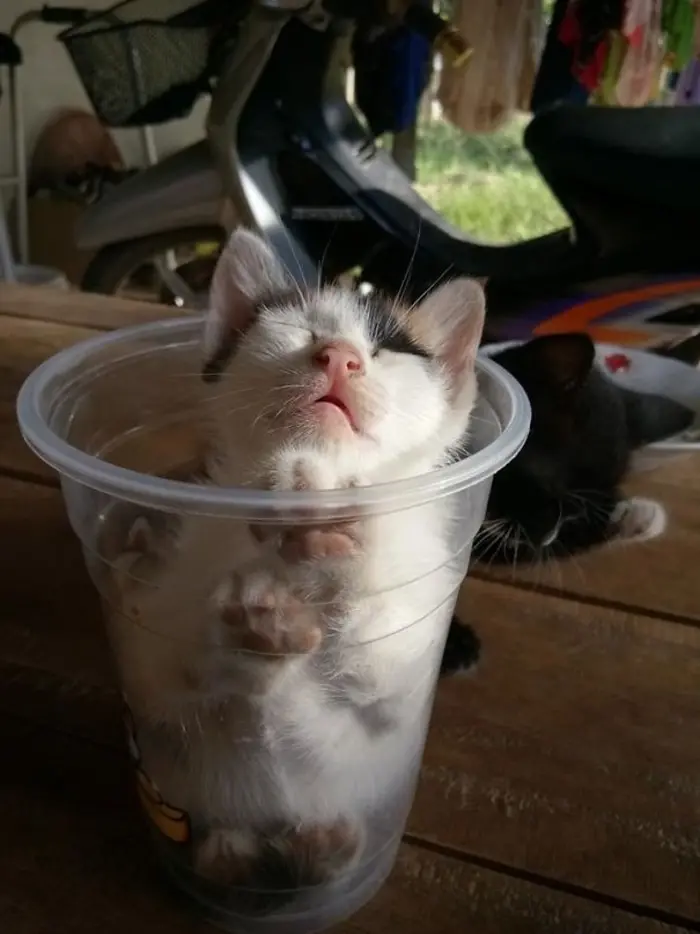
x,y
144,62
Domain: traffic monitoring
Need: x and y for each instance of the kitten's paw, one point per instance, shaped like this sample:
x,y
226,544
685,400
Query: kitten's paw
x,y
639,520
264,616
320,542
280,862
301,472
141,537
319,853
227,857
138,551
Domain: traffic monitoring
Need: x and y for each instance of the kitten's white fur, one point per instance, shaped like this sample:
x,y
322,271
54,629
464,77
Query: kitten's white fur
x,y
239,742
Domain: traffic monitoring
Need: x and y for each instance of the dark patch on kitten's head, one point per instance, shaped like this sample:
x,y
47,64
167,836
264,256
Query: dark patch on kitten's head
x,y
215,366
389,332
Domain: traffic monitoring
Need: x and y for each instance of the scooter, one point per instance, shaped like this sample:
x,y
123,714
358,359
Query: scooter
x,y
286,154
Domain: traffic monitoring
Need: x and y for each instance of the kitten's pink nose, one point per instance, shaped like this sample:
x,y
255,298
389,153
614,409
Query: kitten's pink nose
x,y
338,357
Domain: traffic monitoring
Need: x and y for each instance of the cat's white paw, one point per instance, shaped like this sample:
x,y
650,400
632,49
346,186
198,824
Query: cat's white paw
x,y
293,470
264,615
139,544
639,519
309,854
226,856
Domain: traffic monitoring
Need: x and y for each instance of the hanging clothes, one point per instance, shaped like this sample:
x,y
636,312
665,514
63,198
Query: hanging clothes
x,y
628,53
640,72
555,80
678,23
616,51
506,36
392,71
585,28
687,90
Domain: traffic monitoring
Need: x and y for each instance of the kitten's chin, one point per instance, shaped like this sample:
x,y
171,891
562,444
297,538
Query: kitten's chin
x,y
323,422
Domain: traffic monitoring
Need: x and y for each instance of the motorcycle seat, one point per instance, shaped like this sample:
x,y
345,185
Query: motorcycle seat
x,y
10,52
649,154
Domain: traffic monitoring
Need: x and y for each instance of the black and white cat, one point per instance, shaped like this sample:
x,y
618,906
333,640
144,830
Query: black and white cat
x,y
561,494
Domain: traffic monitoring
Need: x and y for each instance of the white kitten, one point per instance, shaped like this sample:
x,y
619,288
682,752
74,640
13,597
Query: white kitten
x,y
281,678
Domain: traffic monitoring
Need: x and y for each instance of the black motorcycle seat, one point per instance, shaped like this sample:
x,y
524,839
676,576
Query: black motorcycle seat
x,y
646,153
10,52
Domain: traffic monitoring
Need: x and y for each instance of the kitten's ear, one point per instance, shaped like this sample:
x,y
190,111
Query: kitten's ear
x,y
246,270
449,323
563,360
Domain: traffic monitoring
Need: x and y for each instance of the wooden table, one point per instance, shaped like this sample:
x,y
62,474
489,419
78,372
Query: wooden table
x,y
561,784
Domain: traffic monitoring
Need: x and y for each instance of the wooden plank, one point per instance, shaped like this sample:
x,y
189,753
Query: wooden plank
x,y
653,576
101,312
572,753
73,851
25,344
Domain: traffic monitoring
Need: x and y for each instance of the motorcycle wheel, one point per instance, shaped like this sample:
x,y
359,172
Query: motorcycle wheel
x,y
123,268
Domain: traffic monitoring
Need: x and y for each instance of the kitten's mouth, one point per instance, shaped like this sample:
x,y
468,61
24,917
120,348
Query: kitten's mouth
x,y
339,405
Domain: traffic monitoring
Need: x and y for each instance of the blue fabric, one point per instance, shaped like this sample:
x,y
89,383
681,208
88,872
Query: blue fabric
x,y
412,54
391,74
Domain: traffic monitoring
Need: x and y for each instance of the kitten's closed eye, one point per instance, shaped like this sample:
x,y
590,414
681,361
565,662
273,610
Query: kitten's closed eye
x,y
388,334
402,344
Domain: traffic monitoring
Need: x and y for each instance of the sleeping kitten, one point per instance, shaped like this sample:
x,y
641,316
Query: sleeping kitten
x,y
272,702
561,494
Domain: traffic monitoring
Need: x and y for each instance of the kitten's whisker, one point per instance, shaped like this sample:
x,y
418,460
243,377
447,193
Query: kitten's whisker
x,y
294,281
398,298
319,280
229,393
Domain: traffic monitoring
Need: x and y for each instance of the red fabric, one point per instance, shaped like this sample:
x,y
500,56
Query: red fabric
x,y
589,72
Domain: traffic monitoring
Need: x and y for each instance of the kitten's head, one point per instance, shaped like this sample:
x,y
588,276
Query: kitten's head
x,y
376,392
584,430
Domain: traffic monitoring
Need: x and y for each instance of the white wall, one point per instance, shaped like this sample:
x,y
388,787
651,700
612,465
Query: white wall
x,y
49,82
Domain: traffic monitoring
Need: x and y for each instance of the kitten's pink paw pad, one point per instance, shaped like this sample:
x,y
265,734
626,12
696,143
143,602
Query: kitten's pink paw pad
x,y
315,544
265,617
321,852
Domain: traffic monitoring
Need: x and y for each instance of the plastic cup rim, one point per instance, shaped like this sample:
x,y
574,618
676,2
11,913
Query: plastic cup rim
x,y
180,496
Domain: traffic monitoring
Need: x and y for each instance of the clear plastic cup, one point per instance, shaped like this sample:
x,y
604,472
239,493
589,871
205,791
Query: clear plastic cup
x,y
264,828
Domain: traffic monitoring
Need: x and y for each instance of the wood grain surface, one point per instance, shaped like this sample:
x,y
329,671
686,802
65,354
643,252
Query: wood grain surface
x,y
560,790
74,856
656,576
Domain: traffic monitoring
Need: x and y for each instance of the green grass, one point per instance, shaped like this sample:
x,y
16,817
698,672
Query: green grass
x,y
487,185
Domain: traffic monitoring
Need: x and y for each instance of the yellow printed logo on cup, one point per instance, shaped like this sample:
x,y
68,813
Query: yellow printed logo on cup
x,y
172,822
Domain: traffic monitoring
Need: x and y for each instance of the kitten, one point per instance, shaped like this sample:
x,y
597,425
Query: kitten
x,y
272,702
561,494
